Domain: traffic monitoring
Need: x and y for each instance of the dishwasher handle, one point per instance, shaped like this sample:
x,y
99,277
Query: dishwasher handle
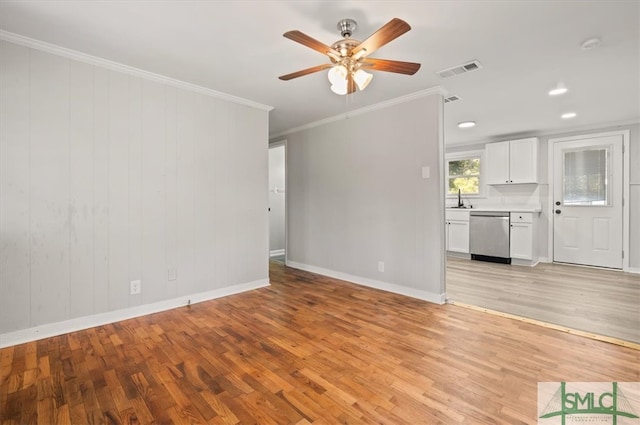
x,y
494,214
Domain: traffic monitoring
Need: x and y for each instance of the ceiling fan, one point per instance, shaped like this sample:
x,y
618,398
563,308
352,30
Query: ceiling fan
x,y
350,57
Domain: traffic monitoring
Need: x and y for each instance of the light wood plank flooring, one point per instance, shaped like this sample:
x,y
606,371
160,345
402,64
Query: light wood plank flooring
x,y
307,349
603,302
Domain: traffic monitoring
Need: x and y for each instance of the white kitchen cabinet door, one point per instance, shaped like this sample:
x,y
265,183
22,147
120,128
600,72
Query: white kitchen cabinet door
x,y
523,161
512,162
458,240
497,163
521,241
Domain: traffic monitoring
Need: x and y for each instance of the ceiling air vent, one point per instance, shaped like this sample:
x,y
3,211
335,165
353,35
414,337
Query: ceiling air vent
x,y
460,69
451,98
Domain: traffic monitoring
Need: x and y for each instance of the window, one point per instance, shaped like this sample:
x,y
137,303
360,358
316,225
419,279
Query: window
x,y
463,173
585,177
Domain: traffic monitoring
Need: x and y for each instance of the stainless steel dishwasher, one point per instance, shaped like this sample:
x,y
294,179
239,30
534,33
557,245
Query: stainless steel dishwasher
x,y
489,236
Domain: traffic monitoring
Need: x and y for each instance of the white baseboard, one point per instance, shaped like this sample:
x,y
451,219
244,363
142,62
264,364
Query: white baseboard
x,y
464,256
53,329
544,260
371,283
524,263
276,252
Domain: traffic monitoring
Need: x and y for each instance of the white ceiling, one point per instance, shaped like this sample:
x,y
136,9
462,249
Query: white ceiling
x,y
236,47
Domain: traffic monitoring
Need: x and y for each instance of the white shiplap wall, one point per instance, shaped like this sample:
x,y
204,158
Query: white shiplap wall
x,y
107,177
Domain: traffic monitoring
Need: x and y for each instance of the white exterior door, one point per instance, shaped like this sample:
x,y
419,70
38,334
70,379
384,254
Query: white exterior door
x,y
587,196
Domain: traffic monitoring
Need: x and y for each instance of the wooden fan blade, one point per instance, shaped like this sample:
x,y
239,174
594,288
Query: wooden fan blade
x,y
408,68
388,32
312,43
305,72
351,84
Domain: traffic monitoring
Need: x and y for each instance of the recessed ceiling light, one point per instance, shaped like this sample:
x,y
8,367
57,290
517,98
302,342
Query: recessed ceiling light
x,y
467,124
568,115
557,91
591,43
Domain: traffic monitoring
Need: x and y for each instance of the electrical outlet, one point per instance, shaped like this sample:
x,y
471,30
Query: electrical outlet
x,y
173,273
381,266
136,287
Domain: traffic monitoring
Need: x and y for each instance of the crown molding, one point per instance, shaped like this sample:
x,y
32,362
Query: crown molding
x,y
612,125
590,127
366,109
125,69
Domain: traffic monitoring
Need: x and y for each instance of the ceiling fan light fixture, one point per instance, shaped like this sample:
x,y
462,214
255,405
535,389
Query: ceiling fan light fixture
x,y
362,78
338,75
339,88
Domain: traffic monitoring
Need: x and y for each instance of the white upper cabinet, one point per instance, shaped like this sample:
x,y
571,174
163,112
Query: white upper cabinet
x,y
523,161
511,162
497,163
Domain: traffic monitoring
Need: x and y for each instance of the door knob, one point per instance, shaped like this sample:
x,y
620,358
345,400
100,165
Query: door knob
x,y
558,211
557,202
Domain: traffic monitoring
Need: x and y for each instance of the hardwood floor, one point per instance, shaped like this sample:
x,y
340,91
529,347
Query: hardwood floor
x,y
598,301
307,349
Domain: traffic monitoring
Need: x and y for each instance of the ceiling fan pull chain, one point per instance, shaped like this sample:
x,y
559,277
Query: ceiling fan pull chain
x,y
347,100
346,106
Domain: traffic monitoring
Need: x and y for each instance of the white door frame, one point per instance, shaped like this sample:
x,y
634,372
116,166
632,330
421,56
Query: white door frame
x,y
278,143
625,189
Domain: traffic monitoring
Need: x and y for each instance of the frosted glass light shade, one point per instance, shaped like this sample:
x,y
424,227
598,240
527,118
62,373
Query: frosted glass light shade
x,y
340,87
362,79
337,74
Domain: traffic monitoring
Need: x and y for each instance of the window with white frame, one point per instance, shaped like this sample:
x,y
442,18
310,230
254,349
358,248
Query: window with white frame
x,y
463,173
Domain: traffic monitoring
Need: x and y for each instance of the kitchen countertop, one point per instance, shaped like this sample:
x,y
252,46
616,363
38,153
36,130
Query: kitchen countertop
x,y
502,208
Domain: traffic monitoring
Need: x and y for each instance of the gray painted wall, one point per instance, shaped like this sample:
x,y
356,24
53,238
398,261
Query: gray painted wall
x,y
276,198
107,178
356,196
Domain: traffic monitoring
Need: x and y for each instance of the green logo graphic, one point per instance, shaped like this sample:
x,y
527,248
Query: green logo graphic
x,y
614,404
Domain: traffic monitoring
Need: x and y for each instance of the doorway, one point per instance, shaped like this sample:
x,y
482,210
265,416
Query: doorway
x,y
277,201
587,189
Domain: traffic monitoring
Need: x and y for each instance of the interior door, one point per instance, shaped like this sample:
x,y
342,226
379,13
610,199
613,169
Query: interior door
x,y
587,191
277,202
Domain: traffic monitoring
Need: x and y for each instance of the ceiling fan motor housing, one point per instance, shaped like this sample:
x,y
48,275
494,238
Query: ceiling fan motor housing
x,y
347,27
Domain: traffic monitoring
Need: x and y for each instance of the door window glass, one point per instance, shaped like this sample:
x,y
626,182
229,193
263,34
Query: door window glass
x,y
586,177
